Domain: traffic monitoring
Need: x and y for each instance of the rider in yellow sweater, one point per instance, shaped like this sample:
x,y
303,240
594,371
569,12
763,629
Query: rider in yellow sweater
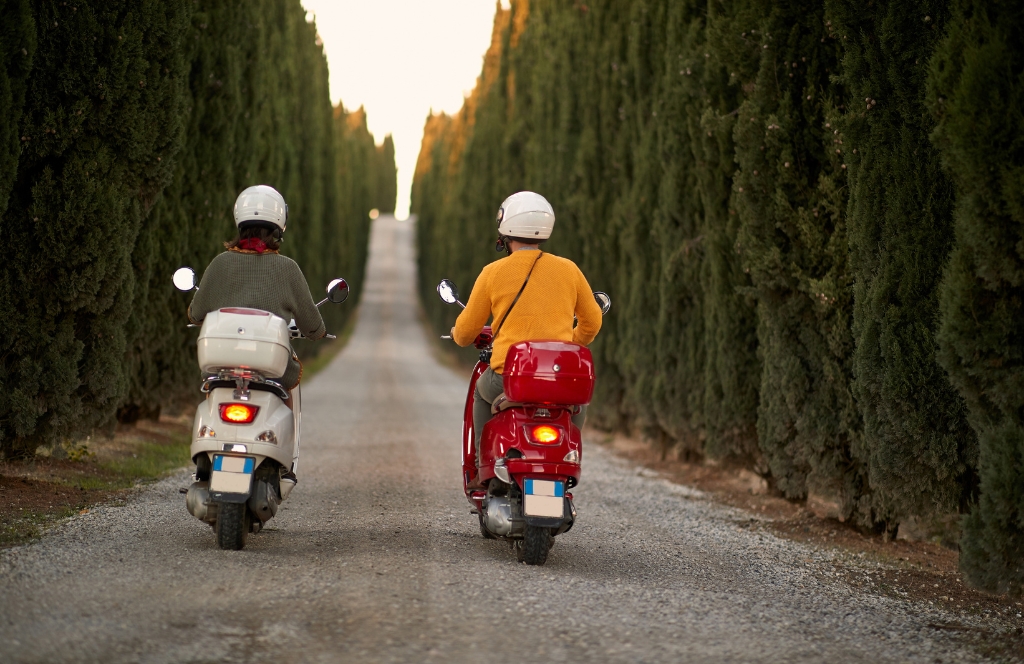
x,y
555,293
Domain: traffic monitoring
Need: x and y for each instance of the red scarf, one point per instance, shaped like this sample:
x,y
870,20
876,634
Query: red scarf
x,y
253,244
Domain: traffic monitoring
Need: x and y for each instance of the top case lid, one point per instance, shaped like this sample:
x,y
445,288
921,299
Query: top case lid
x,y
549,358
244,323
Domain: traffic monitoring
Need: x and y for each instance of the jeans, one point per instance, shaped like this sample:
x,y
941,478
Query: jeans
x,y
488,387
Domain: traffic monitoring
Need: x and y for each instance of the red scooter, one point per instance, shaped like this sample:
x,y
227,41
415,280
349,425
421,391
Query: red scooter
x,y
530,451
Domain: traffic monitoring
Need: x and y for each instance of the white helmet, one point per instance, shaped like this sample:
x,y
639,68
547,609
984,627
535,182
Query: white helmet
x,y
261,204
526,216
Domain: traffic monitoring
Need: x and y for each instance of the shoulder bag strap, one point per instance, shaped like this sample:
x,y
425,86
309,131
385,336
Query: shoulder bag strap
x,y
521,289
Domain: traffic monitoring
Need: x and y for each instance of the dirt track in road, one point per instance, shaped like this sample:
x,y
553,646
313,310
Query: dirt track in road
x,y
376,558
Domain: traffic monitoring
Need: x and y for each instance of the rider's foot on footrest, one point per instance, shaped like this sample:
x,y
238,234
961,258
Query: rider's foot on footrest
x,y
475,484
288,482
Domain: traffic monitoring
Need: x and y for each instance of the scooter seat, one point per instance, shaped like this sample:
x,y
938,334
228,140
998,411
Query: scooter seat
x,y
502,403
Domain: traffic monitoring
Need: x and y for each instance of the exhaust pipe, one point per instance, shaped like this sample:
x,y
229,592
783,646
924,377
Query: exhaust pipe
x,y
197,500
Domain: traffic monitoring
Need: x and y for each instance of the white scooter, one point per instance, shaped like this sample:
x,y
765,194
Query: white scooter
x,y
245,440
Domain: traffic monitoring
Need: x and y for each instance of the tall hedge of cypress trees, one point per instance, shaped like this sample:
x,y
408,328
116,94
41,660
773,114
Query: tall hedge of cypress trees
x,y
387,176
790,198
976,93
194,213
102,127
916,441
140,123
17,45
249,126
773,245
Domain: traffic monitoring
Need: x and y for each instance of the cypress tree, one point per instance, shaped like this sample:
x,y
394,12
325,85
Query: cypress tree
x,y
142,121
916,442
254,118
17,45
102,127
789,195
976,93
193,216
773,248
387,178
677,228
730,338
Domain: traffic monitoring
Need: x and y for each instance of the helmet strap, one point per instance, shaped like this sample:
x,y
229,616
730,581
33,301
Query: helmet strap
x,y
502,245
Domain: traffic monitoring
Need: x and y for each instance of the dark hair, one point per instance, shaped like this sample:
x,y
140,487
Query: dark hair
x,y
270,235
531,241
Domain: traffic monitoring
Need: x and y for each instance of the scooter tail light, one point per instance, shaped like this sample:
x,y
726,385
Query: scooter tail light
x,y
544,434
238,413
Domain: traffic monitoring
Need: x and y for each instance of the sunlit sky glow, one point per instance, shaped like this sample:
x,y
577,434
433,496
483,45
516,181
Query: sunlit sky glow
x,y
400,59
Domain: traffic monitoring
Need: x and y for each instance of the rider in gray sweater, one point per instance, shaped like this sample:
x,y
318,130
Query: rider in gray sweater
x,y
251,273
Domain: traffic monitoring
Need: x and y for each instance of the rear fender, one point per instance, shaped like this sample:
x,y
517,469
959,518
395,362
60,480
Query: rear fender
x,y
560,525
272,416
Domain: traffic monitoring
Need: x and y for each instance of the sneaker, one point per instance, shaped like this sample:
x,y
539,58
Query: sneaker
x,y
288,482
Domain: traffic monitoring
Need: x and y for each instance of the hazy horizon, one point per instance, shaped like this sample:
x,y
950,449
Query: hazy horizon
x,y
400,59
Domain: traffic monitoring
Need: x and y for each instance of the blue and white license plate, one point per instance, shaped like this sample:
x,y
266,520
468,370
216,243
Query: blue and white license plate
x,y
231,474
543,498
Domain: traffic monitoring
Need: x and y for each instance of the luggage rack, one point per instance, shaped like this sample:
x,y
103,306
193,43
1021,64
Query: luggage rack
x,y
243,381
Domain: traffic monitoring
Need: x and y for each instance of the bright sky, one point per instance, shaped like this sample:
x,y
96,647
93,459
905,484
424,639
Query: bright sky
x,y
399,59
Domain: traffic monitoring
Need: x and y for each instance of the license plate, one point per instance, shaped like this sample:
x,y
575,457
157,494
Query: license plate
x,y
231,474
543,498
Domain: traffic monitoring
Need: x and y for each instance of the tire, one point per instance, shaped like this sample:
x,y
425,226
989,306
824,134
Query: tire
x,y
232,526
483,529
536,544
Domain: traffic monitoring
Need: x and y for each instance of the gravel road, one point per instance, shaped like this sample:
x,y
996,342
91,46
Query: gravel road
x,y
376,558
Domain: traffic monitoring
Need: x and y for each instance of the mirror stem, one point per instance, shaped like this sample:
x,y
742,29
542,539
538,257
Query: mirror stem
x,y
321,301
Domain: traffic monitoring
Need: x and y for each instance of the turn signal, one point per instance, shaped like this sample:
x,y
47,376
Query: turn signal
x,y
267,437
238,413
545,434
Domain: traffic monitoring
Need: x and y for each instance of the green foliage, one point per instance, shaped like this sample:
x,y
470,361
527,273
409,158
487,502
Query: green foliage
x,y
593,124
791,201
17,45
102,126
387,176
916,441
142,122
976,93
773,245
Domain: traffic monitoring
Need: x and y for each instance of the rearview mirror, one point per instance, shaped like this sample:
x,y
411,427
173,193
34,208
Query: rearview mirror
x,y
184,279
448,292
604,301
337,291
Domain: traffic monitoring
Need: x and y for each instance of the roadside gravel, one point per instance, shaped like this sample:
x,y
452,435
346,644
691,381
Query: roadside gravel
x,y
376,558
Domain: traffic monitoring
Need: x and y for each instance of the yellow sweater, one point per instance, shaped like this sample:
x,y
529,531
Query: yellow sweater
x,y
556,291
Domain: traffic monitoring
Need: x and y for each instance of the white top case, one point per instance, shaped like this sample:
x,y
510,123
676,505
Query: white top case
x,y
237,338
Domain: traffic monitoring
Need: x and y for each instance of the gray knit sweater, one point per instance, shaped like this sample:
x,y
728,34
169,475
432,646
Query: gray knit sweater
x,y
267,281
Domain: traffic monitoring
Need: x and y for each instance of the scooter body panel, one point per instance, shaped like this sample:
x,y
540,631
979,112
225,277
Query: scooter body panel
x,y
273,416
506,441
509,430
469,469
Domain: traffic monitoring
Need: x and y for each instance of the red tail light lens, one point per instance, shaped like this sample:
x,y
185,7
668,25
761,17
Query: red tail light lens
x,y
238,413
544,434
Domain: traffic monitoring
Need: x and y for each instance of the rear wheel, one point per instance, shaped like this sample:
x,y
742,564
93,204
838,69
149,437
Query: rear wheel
x,y
536,544
232,525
